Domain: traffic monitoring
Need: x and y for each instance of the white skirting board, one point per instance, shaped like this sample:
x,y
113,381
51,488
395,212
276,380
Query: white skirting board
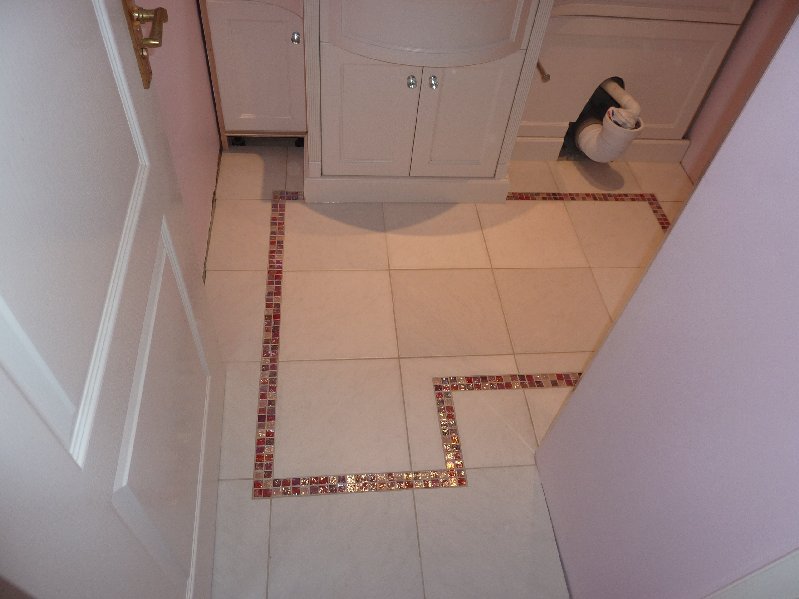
x,y
641,150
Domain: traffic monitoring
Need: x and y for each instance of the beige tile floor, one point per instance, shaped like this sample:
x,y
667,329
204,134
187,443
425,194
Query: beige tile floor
x,y
377,300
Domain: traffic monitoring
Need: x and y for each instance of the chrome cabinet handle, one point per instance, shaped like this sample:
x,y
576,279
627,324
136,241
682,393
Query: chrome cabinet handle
x,y
433,82
295,38
412,81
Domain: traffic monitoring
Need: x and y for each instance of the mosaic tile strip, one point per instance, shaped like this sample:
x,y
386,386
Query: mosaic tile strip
x,y
452,475
649,198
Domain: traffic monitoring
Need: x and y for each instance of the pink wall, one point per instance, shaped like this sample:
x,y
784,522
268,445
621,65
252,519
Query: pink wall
x,y
757,41
181,83
674,468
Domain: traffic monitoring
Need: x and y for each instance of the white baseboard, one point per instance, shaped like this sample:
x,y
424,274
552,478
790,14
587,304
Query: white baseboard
x,y
641,150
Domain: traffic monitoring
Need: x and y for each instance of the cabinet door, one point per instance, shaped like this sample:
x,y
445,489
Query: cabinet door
x,y
666,65
368,114
261,73
462,118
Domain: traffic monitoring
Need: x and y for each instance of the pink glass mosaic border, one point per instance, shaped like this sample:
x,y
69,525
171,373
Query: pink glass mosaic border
x,y
453,474
649,198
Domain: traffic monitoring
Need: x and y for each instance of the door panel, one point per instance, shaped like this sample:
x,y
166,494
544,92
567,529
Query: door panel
x,y
63,314
160,457
91,197
461,123
368,115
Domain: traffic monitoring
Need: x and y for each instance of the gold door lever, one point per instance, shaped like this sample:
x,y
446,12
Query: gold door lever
x,y
136,16
156,16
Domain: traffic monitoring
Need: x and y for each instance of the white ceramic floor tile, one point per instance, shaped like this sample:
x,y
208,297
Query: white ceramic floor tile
x,y
242,535
238,421
553,309
336,315
420,406
490,539
617,286
530,234
495,428
616,233
240,236
295,161
560,362
334,237
544,406
345,546
583,176
531,176
666,180
435,236
673,210
237,304
340,417
448,313
251,173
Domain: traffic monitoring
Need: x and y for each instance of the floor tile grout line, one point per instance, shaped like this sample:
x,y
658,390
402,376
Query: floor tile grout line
x,y
404,407
268,549
504,316
591,268
362,270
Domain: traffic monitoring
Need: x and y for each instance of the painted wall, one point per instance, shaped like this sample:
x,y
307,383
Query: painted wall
x,y
673,469
183,89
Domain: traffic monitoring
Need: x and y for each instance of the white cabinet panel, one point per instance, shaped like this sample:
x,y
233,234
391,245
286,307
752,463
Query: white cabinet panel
x,y
666,65
260,71
368,116
419,32
461,123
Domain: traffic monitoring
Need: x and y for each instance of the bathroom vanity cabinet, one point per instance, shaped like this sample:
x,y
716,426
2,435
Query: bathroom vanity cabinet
x,y
397,120
416,100
666,53
258,59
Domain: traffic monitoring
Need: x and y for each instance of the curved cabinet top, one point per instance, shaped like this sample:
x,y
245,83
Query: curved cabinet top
x,y
434,33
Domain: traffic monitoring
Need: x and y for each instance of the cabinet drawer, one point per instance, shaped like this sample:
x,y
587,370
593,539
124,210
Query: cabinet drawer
x,y
707,11
666,65
425,33
261,73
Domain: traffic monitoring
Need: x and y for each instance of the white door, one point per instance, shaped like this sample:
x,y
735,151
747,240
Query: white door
x,y
261,71
110,386
463,114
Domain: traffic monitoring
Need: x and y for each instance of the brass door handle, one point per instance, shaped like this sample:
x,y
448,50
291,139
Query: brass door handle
x,y
136,16
156,16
